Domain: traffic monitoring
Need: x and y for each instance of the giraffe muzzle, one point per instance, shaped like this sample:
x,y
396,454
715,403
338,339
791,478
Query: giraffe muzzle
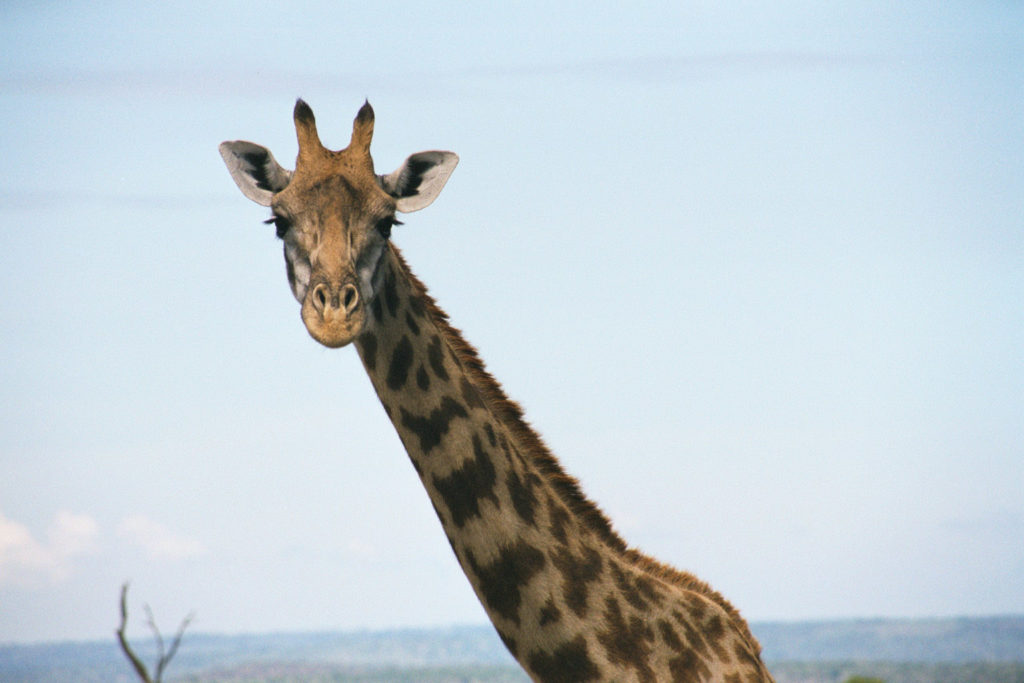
x,y
333,312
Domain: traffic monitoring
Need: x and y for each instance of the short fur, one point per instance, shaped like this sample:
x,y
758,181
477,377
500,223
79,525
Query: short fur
x,y
567,486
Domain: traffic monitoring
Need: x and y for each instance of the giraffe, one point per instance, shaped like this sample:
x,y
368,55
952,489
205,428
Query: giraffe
x,y
569,598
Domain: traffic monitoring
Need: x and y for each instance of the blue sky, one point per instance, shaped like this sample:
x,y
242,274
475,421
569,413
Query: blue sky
x,y
755,272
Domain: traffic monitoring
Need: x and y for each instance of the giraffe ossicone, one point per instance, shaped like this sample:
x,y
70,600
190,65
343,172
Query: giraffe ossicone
x,y
569,598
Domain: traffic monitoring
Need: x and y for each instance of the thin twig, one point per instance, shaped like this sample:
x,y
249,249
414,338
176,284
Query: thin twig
x,y
181,632
157,637
165,659
139,667
164,656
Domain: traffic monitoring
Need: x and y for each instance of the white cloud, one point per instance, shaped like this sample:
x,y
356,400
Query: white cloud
x,y
26,560
157,540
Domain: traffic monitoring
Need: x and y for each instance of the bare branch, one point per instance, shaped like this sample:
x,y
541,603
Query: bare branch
x,y
137,664
164,656
157,637
177,637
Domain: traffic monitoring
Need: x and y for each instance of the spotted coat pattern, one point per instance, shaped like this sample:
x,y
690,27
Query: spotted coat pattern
x,y
569,599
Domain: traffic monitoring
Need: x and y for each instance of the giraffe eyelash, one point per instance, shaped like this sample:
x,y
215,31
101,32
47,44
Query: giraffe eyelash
x,y
281,223
384,226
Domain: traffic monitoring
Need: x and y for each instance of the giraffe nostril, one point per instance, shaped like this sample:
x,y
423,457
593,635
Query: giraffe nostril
x,y
326,298
351,298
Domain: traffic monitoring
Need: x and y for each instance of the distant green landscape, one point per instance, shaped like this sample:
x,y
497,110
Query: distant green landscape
x,y
982,650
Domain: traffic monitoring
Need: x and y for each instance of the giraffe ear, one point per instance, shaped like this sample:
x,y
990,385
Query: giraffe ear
x,y
254,169
418,181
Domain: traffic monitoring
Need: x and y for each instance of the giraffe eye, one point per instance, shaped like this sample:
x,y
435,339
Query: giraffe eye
x,y
384,226
281,223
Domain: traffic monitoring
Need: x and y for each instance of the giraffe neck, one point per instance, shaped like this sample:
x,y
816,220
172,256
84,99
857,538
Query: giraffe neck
x,y
566,595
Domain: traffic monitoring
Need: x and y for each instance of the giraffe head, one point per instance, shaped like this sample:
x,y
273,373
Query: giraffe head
x,y
334,215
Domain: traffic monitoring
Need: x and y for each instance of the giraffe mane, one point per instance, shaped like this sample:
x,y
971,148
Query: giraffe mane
x,y
565,485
